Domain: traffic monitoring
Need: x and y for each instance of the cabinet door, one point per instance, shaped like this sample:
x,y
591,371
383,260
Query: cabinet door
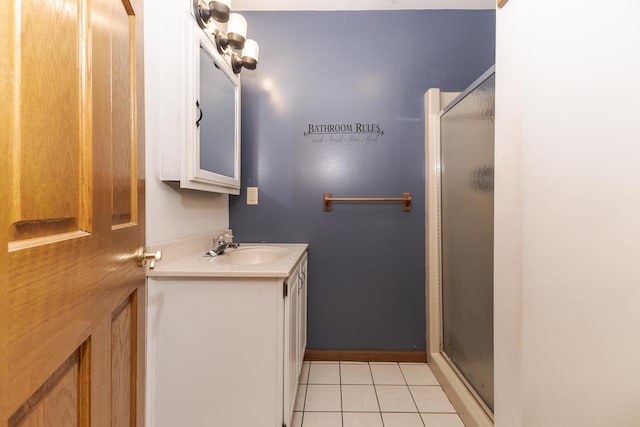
x,y
291,346
202,364
213,159
302,312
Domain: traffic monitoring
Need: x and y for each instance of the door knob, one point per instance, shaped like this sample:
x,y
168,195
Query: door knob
x,y
142,256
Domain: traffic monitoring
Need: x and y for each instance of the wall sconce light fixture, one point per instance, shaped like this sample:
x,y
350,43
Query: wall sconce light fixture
x,y
247,59
217,9
242,52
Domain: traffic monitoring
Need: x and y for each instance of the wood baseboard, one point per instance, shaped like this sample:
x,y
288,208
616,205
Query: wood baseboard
x,y
366,356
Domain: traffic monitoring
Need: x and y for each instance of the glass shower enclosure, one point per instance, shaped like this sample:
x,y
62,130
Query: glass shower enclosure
x,y
466,209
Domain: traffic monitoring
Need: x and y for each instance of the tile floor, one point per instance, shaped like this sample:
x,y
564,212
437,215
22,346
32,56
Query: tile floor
x,y
360,394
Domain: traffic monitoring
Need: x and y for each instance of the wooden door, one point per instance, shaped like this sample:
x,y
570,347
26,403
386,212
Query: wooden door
x,y
72,297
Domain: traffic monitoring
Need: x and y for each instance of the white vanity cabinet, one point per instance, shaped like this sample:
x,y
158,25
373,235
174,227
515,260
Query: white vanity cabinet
x,y
225,351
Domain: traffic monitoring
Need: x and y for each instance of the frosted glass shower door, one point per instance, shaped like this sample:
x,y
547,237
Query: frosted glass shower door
x,y
467,146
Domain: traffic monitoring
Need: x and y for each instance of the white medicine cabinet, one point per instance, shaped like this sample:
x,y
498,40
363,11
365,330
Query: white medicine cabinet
x,y
213,157
193,101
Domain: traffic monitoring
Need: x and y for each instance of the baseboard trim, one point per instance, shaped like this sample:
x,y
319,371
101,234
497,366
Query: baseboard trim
x,y
366,356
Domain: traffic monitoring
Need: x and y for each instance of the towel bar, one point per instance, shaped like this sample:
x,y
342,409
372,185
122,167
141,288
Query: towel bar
x,y
405,199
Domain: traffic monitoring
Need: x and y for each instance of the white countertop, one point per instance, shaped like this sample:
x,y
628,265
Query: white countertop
x,y
186,258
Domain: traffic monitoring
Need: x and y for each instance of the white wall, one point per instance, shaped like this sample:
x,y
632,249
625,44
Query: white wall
x,y
567,261
174,213
171,213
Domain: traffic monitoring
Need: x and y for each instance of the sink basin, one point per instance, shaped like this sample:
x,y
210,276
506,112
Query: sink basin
x,y
250,255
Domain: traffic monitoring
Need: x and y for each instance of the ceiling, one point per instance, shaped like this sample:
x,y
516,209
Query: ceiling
x,y
361,4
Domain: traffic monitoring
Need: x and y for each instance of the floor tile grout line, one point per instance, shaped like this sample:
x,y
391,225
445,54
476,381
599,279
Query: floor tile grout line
x,y
340,381
341,405
411,394
375,390
306,390
397,364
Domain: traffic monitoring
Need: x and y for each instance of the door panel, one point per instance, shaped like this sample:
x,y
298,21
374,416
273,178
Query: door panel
x,y
123,121
302,312
55,402
46,198
72,297
58,405
123,363
467,140
291,345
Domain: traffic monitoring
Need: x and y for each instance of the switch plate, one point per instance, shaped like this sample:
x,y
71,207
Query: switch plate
x,y
252,195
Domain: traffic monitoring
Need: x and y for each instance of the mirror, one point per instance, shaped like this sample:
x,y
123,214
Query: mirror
x,y
216,120
215,161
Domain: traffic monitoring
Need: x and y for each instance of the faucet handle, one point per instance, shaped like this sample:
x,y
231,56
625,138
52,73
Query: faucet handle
x,y
221,238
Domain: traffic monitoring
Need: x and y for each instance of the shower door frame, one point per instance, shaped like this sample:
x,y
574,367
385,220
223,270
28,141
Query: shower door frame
x,y
468,403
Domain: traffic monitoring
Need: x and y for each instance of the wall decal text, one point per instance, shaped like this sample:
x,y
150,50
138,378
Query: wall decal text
x,y
344,132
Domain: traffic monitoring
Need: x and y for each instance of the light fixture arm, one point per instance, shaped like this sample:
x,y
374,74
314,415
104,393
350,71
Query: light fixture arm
x,y
204,12
222,41
236,63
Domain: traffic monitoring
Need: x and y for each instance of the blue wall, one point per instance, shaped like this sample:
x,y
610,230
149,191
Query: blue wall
x,y
366,261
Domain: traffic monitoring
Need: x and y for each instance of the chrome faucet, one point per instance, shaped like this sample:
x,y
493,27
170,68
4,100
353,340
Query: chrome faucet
x,y
220,244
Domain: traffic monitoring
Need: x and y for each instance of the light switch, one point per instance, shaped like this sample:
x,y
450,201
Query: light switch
x,y
252,195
